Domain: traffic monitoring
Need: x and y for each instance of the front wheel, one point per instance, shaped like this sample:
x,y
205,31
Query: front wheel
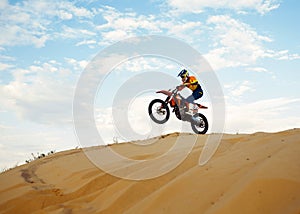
x,y
199,124
159,111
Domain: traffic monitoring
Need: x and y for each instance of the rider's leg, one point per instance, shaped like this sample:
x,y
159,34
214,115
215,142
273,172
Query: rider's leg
x,y
198,93
178,100
188,100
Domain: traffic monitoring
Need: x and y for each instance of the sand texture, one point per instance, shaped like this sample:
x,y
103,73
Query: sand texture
x,y
249,173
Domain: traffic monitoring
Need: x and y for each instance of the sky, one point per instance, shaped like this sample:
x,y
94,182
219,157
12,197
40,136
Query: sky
x,y
252,46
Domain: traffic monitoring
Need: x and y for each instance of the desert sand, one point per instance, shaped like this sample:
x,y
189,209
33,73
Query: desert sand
x,y
249,173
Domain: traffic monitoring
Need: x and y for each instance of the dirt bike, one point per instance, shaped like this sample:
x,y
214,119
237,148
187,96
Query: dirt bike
x,y
159,111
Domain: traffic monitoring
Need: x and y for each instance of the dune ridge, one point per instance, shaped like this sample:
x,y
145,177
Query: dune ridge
x,y
249,173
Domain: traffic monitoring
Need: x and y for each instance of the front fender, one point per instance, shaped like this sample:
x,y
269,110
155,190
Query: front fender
x,y
168,93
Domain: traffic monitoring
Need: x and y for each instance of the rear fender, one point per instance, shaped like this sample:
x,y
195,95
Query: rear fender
x,y
201,106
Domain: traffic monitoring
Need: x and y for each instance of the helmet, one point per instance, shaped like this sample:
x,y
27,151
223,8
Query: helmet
x,y
183,73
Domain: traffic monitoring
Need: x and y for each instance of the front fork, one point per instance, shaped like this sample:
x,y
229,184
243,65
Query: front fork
x,y
167,99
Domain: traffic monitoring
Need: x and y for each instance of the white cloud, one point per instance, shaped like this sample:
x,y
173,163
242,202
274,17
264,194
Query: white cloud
x,y
177,29
17,35
79,11
64,15
78,65
5,127
87,42
42,93
5,66
241,88
74,33
6,58
281,55
116,35
3,4
18,142
258,69
235,43
236,90
197,6
293,56
41,21
120,25
265,115
144,64
267,6
35,22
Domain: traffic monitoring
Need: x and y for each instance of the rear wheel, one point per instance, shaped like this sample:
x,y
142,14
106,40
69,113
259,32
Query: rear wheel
x,y
199,124
159,111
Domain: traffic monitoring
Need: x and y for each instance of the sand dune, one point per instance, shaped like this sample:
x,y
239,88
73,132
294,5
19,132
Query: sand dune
x,y
255,173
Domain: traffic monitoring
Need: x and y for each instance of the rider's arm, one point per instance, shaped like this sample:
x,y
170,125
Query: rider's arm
x,y
180,87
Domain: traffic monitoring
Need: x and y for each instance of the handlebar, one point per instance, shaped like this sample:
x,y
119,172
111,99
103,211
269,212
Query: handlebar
x,y
174,91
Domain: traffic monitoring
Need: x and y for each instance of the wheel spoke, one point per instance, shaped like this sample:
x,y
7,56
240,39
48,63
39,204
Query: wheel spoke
x,y
200,125
159,111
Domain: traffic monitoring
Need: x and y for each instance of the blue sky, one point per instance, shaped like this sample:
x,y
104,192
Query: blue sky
x,y
252,45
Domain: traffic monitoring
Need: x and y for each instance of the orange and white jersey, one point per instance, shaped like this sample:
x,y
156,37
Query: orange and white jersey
x,y
191,82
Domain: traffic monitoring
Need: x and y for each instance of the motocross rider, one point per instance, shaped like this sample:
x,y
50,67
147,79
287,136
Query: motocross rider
x,y
192,83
